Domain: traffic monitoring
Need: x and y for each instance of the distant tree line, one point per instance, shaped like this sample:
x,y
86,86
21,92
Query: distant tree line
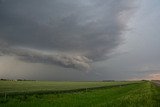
x,y
108,80
2,79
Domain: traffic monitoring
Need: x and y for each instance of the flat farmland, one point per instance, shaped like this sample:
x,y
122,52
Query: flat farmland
x,y
132,94
33,86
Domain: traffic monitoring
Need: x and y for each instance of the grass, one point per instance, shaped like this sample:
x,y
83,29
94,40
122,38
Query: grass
x,y
144,94
34,86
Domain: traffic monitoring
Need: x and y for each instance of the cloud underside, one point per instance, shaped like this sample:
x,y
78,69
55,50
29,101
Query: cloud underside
x,y
70,33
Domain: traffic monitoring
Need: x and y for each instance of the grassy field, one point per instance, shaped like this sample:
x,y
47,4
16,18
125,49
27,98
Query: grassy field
x,y
143,94
33,86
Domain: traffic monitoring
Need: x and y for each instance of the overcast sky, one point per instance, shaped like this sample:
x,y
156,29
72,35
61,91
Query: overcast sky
x,y
79,40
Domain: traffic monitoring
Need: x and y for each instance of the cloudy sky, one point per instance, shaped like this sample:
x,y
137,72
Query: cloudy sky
x,y
79,39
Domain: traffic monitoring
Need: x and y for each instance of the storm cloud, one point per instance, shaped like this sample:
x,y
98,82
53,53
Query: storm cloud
x,y
68,33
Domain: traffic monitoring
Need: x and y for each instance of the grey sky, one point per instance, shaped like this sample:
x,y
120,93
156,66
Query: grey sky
x,y
141,47
79,40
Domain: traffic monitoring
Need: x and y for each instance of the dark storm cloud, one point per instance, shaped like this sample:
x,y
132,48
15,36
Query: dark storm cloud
x,y
34,56
89,29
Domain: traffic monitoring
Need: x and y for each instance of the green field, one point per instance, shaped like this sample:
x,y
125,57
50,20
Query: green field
x,y
141,94
34,86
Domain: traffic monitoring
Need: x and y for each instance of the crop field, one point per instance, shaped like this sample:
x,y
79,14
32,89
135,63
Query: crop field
x,y
34,86
109,94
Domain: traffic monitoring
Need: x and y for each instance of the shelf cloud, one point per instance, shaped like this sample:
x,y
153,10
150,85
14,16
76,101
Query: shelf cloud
x,y
67,33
